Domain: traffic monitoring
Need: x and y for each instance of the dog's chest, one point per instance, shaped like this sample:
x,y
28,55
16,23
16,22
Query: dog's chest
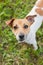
x,y
30,37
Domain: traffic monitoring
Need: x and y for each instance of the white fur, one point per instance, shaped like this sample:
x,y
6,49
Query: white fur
x,y
31,37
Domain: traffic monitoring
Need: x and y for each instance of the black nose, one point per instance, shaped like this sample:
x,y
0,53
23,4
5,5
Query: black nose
x,y
21,37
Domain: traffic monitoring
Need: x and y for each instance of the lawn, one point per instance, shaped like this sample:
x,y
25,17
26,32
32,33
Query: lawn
x,y
12,53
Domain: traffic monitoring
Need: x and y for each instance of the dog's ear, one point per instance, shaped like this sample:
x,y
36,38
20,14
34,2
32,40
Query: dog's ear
x,y
9,22
30,18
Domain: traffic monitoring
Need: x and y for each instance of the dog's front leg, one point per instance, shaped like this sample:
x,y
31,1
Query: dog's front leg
x,y
35,45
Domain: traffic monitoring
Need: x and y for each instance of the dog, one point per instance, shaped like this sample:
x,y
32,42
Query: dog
x,y
25,29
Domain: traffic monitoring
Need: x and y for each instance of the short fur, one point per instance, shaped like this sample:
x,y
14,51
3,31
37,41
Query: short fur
x,y
33,20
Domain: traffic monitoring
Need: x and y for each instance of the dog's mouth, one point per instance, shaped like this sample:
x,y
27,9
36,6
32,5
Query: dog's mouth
x,y
21,40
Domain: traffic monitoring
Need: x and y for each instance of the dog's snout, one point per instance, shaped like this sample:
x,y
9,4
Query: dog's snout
x,y
21,37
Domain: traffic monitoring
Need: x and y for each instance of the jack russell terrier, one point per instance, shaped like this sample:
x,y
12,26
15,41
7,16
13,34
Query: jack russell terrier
x,y
25,29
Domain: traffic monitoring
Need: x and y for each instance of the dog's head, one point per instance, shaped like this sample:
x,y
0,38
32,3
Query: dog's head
x,y
21,27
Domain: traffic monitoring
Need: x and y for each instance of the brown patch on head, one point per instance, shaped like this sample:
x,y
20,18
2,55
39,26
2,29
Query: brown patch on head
x,y
40,3
39,11
19,24
22,25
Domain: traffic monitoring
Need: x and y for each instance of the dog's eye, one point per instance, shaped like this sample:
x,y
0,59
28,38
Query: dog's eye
x,y
25,26
15,27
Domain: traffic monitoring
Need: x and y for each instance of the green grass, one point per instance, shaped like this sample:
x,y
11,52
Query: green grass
x,y
12,53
